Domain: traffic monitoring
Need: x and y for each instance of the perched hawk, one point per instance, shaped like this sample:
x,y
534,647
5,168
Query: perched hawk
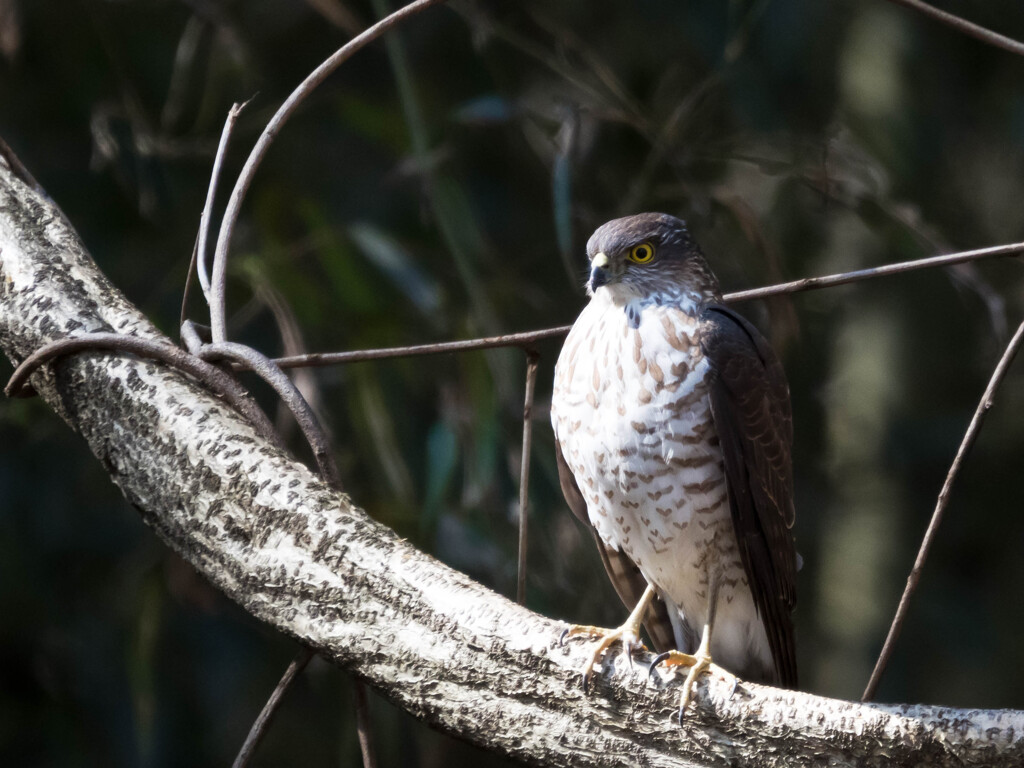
x,y
673,430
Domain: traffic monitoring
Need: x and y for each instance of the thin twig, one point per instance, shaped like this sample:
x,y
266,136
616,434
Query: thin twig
x,y
188,284
527,338
285,111
259,726
216,380
523,340
827,281
265,368
532,361
965,445
363,729
211,194
967,27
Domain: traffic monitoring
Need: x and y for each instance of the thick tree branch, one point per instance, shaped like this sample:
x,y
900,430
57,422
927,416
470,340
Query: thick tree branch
x,y
305,560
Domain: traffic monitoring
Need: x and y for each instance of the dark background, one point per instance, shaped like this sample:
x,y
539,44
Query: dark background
x,y
442,185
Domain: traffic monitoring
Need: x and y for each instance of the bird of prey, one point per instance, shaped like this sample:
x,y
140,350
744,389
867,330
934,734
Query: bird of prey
x,y
673,432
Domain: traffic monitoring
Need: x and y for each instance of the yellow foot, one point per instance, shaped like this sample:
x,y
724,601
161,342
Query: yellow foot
x,y
698,663
627,634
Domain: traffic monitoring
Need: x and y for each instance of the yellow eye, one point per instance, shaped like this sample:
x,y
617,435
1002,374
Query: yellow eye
x,y
641,253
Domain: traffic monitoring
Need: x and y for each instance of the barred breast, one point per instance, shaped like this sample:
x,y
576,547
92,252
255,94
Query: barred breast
x,y
631,411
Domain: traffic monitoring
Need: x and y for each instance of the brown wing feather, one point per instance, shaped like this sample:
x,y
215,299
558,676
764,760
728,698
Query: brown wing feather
x,y
625,576
751,410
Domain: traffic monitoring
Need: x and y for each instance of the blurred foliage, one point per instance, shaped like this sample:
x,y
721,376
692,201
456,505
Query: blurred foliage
x,y
442,185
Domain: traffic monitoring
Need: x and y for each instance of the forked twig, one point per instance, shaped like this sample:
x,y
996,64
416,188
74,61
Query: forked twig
x,y
915,574
967,27
285,111
532,361
259,726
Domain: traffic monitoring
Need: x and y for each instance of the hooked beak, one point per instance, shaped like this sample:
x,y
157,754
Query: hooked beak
x,y
598,272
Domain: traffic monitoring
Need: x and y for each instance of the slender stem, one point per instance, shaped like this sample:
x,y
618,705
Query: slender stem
x,y
967,27
286,389
965,445
188,283
532,361
524,339
216,380
827,281
285,111
211,194
259,727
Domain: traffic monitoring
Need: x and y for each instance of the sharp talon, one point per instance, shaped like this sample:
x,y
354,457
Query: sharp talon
x,y
679,717
657,660
660,658
561,637
732,691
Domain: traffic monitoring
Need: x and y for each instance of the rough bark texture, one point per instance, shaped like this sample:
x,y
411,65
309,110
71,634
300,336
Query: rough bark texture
x,y
307,561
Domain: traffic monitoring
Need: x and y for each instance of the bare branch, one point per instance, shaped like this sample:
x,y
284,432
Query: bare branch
x,y
857,275
940,507
211,195
967,27
262,722
285,111
522,340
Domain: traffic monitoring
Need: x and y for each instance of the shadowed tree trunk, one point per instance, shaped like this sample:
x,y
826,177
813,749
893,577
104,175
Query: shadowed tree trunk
x,y
305,560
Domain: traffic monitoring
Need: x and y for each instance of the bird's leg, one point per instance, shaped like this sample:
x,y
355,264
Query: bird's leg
x,y
628,634
698,662
702,662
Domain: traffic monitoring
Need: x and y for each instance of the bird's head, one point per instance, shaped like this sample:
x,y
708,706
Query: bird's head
x,y
646,256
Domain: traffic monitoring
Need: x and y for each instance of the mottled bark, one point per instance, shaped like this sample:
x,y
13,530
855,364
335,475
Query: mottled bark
x,y
308,562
